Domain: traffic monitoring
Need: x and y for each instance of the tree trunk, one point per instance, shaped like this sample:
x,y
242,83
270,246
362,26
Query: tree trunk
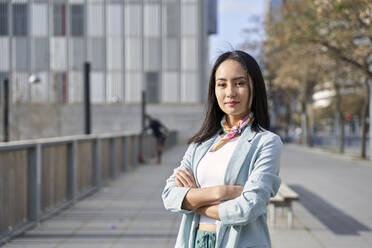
x,y
309,131
363,153
288,117
304,122
306,134
340,119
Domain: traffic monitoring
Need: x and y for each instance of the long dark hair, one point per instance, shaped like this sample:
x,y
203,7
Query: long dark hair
x,y
214,114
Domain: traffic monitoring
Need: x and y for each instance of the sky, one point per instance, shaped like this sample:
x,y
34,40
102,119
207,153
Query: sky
x,y
233,16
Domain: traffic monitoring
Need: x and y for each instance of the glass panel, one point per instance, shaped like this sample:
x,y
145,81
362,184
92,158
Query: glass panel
x,y
152,87
19,19
58,54
114,20
115,54
77,19
39,91
189,54
39,19
114,88
4,51
133,54
133,87
152,20
95,19
75,87
41,55
172,20
59,89
3,76
189,19
171,54
170,89
20,54
4,19
98,87
76,53
19,88
96,53
133,20
59,19
152,54
189,90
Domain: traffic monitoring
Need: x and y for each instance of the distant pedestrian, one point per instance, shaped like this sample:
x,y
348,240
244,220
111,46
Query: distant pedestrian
x,y
231,168
160,133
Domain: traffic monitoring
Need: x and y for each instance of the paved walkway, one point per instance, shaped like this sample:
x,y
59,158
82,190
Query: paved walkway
x,y
129,212
335,206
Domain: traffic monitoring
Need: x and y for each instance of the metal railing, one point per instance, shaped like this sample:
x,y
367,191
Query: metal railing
x,y
40,177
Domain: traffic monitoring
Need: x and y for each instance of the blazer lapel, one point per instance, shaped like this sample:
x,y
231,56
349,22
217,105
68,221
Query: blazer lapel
x,y
239,155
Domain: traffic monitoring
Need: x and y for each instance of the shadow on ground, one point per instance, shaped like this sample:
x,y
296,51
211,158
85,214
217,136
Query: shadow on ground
x,y
336,220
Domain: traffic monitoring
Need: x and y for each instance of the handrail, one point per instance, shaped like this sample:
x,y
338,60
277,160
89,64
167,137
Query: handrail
x,y
40,177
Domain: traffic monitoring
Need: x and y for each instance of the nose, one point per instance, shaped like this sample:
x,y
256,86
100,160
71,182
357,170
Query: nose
x,y
230,90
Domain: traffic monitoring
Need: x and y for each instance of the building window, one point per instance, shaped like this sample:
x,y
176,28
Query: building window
x,y
3,76
20,19
77,20
96,53
41,57
3,19
59,19
172,20
152,87
60,87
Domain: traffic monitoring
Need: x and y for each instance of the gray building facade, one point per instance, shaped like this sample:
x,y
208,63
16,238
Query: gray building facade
x,y
160,46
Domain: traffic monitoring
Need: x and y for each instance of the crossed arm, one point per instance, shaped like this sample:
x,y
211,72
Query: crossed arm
x,y
204,201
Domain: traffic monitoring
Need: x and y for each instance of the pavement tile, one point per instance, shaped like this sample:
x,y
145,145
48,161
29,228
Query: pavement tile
x,y
129,213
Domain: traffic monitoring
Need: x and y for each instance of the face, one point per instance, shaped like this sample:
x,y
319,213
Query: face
x,y
233,87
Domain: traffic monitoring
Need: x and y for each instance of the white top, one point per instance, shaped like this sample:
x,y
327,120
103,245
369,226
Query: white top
x,y
212,167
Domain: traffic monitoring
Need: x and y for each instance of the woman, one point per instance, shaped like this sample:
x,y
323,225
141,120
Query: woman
x,y
231,167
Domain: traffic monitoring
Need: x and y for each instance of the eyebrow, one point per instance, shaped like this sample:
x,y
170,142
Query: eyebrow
x,y
234,79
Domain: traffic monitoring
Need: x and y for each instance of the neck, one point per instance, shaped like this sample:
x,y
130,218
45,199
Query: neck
x,y
233,120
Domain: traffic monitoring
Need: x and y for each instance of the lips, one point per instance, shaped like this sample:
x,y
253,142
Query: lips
x,y
232,103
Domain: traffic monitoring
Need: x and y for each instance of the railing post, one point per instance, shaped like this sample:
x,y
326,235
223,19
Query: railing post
x,y
72,171
135,144
34,183
124,152
6,111
97,163
87,111
112,163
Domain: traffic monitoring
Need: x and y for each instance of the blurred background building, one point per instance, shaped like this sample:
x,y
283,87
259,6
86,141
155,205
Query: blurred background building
x,y
132,45
160,46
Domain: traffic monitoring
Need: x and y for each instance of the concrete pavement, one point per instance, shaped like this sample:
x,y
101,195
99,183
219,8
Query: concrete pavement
x,y
335,200
334,211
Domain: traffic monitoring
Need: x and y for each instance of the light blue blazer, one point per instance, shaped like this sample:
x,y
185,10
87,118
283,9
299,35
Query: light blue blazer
x,y
254,164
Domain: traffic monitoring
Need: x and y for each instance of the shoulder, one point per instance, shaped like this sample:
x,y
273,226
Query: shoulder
x,y
265,137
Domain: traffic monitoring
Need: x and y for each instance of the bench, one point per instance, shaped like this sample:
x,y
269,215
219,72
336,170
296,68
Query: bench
x,y
283,198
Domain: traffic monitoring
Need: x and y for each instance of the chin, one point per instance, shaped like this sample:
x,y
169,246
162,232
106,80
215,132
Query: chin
x,y
232,113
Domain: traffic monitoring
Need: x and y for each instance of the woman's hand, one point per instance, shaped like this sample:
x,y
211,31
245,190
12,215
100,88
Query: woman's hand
x,y
184,178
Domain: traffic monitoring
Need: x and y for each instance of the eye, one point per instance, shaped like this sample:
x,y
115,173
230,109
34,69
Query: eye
x,y
221,84
240,83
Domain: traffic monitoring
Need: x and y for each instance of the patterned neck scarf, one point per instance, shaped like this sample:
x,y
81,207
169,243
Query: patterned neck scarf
x,y
231,132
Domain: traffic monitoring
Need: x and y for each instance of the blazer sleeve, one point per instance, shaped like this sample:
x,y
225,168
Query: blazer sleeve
x,y
262,183
172,194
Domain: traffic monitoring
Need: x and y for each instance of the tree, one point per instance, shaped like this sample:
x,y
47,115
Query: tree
x,y
336,30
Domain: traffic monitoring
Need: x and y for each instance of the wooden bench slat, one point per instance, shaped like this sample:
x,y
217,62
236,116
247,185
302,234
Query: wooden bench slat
x,y
287,192
277,198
